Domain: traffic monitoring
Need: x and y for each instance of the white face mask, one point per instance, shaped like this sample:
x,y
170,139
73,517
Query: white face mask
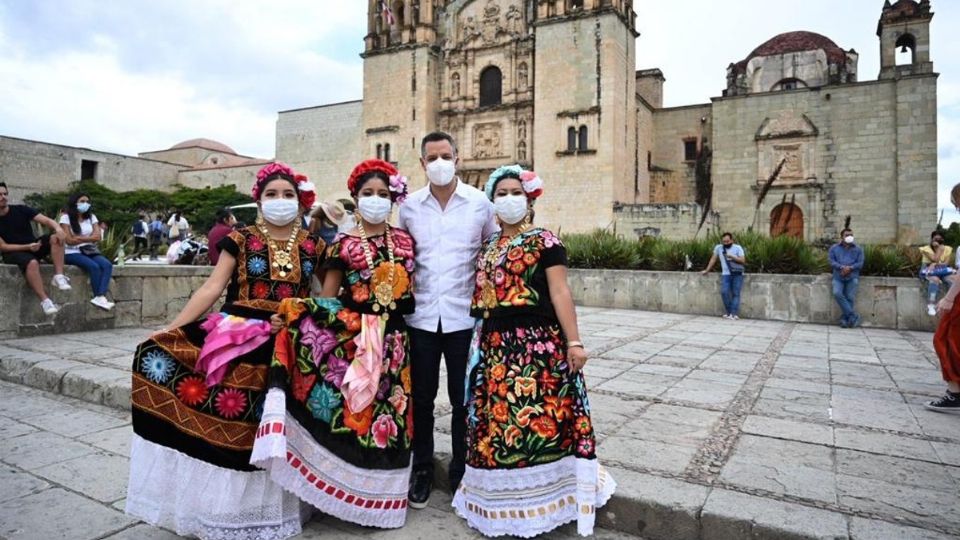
x,y
374,209
280,212
511,209
440,172
848,239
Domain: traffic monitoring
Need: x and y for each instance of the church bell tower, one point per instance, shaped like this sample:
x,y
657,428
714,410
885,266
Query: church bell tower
x,y
904,27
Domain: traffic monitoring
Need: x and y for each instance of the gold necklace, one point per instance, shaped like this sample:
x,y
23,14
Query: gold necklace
x,y
491,258
382,291
282,258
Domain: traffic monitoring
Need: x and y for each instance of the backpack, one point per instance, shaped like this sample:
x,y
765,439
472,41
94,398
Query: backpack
x,y
138,227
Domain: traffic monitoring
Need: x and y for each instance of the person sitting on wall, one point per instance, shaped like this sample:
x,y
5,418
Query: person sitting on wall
x,y
83,232
846,260
733,260
19,246
935,269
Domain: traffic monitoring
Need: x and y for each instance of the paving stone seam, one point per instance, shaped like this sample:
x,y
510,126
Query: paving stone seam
x,y
837,508
715,450
920,346
857,427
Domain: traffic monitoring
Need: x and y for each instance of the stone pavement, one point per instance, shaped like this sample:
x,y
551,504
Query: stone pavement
x,y
714,429
64,467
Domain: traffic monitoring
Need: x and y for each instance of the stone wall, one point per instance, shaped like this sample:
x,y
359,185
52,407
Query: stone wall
x,y
31,166
240,177
882,302
674,181
673,221
869,152
144,296
324,143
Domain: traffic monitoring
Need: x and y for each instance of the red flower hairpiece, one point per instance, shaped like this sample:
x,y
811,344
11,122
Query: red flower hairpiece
x,y
306,191
367,166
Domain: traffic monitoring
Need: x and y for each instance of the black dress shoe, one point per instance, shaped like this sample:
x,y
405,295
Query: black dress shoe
x,y
420,486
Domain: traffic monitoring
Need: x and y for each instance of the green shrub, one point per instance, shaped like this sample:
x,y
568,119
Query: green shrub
x,y
679,256
785,255
601,249
894,261
119,208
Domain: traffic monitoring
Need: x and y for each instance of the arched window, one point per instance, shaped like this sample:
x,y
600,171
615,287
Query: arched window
x,y
576,4
788,84
386,152
379,151
906,49
571,139
582,138
398,14
786,219
491,86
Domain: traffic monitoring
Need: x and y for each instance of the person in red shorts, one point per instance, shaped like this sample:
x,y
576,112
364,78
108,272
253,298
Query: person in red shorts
x,y
947,341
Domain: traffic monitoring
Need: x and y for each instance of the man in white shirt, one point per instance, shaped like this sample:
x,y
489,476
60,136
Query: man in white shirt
x,y
449,221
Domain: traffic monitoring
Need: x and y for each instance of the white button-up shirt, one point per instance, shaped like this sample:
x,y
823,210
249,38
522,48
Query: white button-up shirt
x,y
447,244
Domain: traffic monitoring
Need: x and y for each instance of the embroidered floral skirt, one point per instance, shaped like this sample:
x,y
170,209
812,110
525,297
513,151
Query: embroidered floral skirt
x,y
354,465
190,456
531,451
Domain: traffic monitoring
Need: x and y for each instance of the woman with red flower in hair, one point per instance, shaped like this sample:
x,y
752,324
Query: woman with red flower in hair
x,y
340,439
199,386
531,449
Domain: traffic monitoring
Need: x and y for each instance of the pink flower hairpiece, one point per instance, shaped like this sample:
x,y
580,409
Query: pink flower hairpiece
x,y
399,187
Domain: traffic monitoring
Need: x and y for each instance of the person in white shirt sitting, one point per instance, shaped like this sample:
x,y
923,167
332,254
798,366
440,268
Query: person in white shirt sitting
x,y
83,231
448,220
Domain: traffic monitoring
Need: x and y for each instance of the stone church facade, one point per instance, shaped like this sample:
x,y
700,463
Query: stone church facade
x,y
551,84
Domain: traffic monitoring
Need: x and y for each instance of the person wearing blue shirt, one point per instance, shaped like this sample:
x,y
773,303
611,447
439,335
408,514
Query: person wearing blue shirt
x,y
733,260
846,259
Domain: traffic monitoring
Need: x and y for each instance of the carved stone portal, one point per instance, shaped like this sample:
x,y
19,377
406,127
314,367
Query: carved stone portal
x,y
486,140
514,20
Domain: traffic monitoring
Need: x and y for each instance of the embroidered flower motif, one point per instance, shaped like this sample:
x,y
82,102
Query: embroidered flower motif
x,y
351,251
320,340
302,385
515,253
323,400
582,425
544,426
398,353
384,429
309,247
405,379
351,319
360,293
497,372
284,290
307,267
358,422
230,403
401,280
336,369
525,386
261,290
548,383
402,245
257,266
157,366
549,239
192,391
524,414
254,243
558,407
513,435
585,447
398,399
501,412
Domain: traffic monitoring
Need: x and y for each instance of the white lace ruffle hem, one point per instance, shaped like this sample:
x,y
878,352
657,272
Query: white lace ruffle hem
x,y
368,497
533,500
194,498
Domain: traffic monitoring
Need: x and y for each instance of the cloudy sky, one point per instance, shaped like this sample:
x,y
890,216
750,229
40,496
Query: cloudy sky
x,y
143,75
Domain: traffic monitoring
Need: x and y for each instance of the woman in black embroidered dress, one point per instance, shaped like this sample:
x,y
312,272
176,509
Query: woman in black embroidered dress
x,y
531,450
337,425
199,386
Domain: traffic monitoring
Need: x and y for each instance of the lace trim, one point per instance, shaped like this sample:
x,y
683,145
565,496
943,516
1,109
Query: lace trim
x,y
368,497
192,497
503,502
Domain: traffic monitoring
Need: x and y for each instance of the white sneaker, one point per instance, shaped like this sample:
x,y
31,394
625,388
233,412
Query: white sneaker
x,y
101,303
932,310
49,308
61,282
734,317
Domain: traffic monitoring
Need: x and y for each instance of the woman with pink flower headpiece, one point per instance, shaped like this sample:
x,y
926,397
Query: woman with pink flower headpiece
x,y
531,449
199,386
337,424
